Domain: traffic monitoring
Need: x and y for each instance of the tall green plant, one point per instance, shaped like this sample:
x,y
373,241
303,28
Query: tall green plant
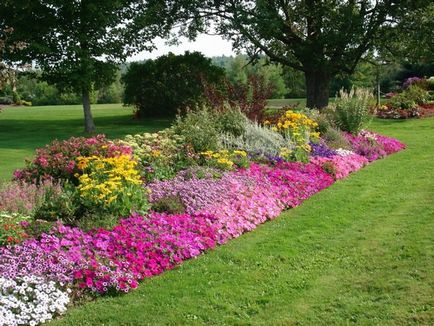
x,y
351,110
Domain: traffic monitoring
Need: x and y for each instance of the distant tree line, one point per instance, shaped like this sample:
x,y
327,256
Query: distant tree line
x,y
285,81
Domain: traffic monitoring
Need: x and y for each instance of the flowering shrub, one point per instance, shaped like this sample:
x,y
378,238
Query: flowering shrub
x,y
112,184
413,81
30,300
300,130
406,104
366,144
224,159
12,228
58,159
25,198
160,155
403,111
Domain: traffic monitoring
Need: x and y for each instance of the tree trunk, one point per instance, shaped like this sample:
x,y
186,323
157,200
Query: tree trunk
x,y
317,88
89,126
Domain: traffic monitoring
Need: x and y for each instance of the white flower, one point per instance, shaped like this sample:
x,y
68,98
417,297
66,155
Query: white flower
x,y
30,301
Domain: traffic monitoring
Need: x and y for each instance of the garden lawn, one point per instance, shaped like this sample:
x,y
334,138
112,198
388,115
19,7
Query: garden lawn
x,y
22,129
359,252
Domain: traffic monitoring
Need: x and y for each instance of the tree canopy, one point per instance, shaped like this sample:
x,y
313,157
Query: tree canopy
x,y
321,38
78,44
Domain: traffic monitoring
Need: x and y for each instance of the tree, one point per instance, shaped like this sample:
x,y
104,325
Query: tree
x,y
7,73
79,43
411,39
239,68
320,38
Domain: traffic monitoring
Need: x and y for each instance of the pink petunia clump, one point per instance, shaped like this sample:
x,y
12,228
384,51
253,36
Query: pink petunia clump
x,y
342,165
101,260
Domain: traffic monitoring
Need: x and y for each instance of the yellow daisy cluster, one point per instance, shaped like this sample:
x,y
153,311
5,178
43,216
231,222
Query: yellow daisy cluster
x,y
104,179
225,159
295,121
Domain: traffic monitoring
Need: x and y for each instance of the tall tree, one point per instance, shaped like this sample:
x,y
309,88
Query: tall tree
x,y
411,39
79,43
322,38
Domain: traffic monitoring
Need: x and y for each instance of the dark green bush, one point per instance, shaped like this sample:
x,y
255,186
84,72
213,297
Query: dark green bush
x,y
163,86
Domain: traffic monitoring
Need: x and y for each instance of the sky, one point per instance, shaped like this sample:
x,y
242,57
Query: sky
x,y
209,45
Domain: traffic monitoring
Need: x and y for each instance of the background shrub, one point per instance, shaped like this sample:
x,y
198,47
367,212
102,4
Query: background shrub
x,y
163,86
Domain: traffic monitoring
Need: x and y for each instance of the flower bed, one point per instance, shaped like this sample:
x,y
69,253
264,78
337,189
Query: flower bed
x,y
206,203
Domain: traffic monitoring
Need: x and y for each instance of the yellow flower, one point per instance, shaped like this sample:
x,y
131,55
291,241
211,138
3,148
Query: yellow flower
x,y
241,153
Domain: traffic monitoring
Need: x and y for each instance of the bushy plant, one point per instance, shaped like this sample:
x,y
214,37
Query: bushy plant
x,y
112,185
231,121
299,129
351,111
199,129
12,228
163,86
58,159
367,145
160,155
257,139
250,97
25,198
335,139
60,203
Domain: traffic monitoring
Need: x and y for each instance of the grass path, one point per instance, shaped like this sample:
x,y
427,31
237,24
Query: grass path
x,y
22,129
360,252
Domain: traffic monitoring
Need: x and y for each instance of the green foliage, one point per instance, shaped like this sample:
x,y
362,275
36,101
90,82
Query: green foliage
x,y
31,88
160,155
320,38
78,45
351,110
231,121
170,83
199,129
58,204
6,100
239,68
335,139
169,204
202,127
409,98
256,139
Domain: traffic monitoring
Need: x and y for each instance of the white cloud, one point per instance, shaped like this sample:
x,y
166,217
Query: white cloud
x,y
209,45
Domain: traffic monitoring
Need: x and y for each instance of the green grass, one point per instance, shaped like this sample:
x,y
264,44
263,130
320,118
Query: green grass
x,y
278,103
23,129
360,252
